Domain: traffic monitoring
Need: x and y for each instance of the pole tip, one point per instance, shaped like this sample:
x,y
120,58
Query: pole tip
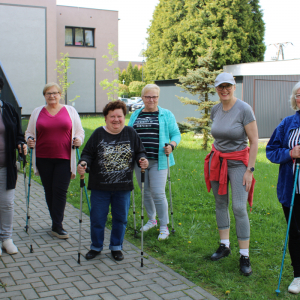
x,y
277,292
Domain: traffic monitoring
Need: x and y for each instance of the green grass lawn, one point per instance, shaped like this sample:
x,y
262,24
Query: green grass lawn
x,y
188,251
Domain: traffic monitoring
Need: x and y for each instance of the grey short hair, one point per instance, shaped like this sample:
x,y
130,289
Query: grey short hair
x,y
292,99
150,87
50,85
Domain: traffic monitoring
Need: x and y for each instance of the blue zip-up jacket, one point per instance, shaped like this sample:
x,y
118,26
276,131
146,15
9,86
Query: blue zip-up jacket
x,y
168,131
278,153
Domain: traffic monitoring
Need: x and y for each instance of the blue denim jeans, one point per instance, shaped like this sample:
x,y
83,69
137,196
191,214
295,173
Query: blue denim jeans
x,y
120,203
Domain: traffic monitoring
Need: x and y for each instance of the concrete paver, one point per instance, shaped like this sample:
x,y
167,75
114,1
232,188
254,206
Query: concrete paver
x,y
52,271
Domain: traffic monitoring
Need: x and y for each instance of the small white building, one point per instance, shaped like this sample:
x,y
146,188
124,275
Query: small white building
x,y
267,87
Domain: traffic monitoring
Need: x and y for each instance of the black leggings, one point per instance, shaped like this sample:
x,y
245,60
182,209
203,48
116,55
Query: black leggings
x,y
294,234
55,175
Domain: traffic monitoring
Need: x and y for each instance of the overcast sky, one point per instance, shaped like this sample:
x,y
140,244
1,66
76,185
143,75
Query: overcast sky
x,y
281,18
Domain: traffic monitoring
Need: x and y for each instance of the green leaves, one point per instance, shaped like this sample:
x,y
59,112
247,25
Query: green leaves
x,y
112,86
62,67
183,30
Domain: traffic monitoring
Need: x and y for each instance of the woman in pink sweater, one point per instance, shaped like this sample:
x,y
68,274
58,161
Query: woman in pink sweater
x,y
52,130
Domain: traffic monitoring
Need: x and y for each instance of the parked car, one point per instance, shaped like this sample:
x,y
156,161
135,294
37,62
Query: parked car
x,y
137,105
135,99
126,100
128,103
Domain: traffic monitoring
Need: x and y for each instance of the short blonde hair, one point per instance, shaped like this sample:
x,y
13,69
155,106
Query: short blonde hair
x,y
50,85
292,99
150,87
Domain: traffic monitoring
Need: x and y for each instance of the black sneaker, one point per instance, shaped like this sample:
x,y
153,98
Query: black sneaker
x,y
60,233
222,251
92,254
245,266
117,255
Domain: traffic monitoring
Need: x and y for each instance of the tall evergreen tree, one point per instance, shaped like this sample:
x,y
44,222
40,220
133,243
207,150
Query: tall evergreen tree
x,y
129,72
200,82
136,74
183,30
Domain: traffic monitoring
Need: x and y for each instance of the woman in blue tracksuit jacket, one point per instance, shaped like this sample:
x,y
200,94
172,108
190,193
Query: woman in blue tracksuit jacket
x,y
283,148
156,127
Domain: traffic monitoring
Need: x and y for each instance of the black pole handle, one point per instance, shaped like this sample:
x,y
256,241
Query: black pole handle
x,y
73,146
23,155
87,170
32,138
82,183
297,160
142,172
166,144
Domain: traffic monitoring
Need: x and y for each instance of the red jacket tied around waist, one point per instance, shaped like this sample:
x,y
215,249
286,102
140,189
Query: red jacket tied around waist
x,y
216,172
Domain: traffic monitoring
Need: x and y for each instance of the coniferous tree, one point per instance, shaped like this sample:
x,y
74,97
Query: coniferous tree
x,y
136,74
183,30
130,74
200,82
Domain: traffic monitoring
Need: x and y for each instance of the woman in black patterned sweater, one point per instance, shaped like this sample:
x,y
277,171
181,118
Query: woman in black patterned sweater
x,y
110,153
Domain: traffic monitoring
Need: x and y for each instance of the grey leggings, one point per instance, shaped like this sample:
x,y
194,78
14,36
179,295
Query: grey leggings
x,y
6,207
155,195
239,203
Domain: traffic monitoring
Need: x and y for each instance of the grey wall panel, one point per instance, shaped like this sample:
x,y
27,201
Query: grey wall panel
x,y
82,72
23,52
269,97
168,100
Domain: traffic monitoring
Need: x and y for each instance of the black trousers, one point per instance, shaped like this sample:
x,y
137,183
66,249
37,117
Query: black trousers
x,y
55,175
294,234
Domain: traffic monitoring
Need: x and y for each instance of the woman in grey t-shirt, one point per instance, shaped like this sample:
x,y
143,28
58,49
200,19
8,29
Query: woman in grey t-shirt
x,y
233,123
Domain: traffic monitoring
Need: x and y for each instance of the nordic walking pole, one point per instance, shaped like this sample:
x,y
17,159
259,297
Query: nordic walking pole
x,y
142,214
28,211
289,222
85,189
134,220
25,183
170,192
82,184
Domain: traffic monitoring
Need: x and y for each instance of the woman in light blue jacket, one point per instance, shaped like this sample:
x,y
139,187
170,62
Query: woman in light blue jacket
x,y
156,126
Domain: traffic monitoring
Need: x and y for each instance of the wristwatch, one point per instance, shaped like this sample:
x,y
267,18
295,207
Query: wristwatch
x,y
173,147
251,169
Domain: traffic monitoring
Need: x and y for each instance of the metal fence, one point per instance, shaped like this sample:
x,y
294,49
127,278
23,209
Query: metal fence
x,y
269,97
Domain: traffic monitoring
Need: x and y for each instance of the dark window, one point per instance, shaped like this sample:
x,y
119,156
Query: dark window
x,y
76,36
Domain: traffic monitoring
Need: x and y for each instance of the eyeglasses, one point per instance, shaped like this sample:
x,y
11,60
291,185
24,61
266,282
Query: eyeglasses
x,y
297,96
228,87
148,98
52,94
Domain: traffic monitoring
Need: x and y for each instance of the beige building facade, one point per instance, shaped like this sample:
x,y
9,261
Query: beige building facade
x,y
35,32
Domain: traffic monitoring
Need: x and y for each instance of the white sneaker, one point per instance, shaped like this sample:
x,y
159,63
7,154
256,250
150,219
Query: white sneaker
x,y
9,246
295,286
150,224
163,233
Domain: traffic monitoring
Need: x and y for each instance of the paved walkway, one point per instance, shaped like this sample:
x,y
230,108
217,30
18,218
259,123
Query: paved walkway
x,y
52,271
